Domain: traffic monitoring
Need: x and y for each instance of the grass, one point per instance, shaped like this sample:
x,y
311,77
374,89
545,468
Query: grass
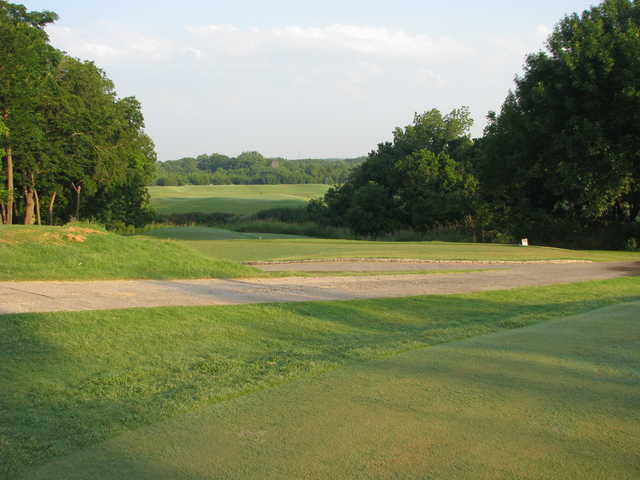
x,y
236,199
556,400
210,233
71,380
234,246
87,252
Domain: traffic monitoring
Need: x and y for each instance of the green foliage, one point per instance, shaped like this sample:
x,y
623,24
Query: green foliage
x,y
418,181
68,140
562,157
251,168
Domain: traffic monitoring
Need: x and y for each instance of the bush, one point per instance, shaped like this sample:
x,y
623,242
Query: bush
x,y
288,215
310,229
197,218
631,244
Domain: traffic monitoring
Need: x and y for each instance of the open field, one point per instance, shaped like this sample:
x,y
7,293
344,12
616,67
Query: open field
x,y
87,252
234,246
237,199
556,401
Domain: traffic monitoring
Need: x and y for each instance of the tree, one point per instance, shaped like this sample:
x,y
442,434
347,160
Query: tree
x,y
25,61
564,152
97,144
65,137
417,181
436,189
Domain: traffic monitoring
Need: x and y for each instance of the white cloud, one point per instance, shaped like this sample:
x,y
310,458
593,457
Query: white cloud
x,y
291,90
337,39
110,45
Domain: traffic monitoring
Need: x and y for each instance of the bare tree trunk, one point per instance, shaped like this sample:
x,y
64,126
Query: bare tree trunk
x,y
3,213
77,188
51,201
37,198
9,157
28,205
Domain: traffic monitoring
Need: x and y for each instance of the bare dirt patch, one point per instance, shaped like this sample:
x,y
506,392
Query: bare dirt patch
x,y
364,264
17,297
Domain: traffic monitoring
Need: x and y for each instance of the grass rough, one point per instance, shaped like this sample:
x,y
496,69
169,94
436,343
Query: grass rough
x,y
88,252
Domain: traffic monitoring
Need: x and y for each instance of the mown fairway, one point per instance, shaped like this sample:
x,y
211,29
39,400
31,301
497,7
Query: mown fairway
x,y
237,199
558,400
242,247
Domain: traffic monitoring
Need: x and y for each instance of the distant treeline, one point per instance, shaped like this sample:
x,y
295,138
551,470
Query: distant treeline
x,y
251,168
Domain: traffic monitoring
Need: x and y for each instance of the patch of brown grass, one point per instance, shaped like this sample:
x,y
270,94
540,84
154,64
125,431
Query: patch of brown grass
x,y
84,230
76,238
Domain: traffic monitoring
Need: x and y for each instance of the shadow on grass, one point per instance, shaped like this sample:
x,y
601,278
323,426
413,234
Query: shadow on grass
x,y
539,416
53,401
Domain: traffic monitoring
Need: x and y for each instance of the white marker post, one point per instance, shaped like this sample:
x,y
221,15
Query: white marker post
x,y
525,242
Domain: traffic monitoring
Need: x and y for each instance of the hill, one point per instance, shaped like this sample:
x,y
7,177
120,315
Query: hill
x,y
87,252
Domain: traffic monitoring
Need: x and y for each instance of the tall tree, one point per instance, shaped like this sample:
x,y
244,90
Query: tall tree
x,y
26,59
417,181
565,148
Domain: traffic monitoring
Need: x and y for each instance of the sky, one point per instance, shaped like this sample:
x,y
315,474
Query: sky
x,y
302,79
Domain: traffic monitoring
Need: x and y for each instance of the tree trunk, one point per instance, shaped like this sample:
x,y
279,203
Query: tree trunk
x,y
3,213
9,157
51,201
77,188
28,205
37,198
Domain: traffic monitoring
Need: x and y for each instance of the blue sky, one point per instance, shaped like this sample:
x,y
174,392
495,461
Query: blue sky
x,y
301,79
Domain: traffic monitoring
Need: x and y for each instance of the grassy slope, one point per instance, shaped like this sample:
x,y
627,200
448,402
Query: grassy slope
x,y
69,380
557,400
238,199
78,252
235,246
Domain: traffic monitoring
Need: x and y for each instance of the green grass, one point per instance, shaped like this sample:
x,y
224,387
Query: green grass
x,y
236,199
86,252
210,233
71,380
234,246
556,400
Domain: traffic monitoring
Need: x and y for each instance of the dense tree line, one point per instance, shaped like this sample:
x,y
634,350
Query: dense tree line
x,y
69,144
559,163
251,168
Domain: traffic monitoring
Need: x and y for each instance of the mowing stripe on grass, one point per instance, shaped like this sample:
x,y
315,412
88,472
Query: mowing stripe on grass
x,y
557,400
71,380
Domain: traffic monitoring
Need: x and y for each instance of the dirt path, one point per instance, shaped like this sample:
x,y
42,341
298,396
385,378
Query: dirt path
x,y
21,297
